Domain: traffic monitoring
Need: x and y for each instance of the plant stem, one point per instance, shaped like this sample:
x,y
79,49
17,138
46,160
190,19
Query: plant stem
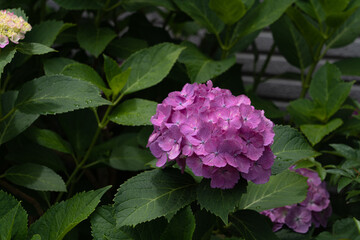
x,y
257,79
24,196
7,115
225,48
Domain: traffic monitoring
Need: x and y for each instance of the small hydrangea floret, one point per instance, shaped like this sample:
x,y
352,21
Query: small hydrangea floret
x,y
217,135
314,209
12,28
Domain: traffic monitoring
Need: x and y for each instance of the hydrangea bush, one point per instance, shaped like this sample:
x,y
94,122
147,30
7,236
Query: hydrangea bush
x,y
111,129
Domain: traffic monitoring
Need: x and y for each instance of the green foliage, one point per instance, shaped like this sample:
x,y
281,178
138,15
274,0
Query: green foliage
x,y
134,112
6,56
37,177
289,146
283,189
130,158
230,11
342,229
153,194
64,216
53,66
13,218
79,5
349,66
33,48
219,201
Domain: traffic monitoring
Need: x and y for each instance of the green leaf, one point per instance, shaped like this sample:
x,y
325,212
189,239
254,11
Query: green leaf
x,y
201,68
124,47
130,158
54,66
94,40
64,216
148,230
134,5
18,12
181,226
86,73
36,237
46,32
260,16
289,146
291,43
346,33
103,225
303,111
230,11
331,6
6,55
37,177
247,224
342,229
328,91
357,223
286,188
350,154
316,132
335,20
312,8
153,194
79,4
219,201
349,66
118,82
134,112
48,139
111,68
13,218
15,123
149,66
200,11
57,94
33,48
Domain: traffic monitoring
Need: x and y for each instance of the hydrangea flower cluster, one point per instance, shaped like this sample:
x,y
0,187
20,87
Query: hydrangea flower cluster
x,y
217,135
314,209
12,27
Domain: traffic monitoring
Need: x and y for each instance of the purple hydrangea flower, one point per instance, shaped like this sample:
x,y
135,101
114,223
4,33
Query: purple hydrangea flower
x,y
217,135
314,209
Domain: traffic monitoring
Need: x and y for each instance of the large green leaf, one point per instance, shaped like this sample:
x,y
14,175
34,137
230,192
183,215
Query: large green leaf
x,y
349,66
64,216
33,48
13,218
181,226
130,158
57,94
328,91
251,226
286,188
48,139
219,201
289,146
316,132
37,177
46,32
79,4
103,225
200,11
54,66
228,11
15,123
291,43
94,40
153,194
260,16
149,66
134,112
342,229
6,56
201,68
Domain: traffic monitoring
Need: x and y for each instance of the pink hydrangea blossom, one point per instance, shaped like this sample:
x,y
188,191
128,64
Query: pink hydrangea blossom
x,y
217,135
315,209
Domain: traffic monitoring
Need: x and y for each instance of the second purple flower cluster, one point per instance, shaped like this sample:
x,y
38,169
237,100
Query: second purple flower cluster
x,y
314,209
217,135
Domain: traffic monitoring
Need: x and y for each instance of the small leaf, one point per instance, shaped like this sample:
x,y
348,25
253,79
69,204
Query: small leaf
x,y
36,237
218,201
230,11
119,81
286,188
49,139
79,4
111,68
200,11
247,224
130,158
13,218
289,146
153,194
134,112
53,66
181,226
94,40
18,12
33,48
57,94
6,55
68,213
37,177
149,66
342,229
316,132
201,68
